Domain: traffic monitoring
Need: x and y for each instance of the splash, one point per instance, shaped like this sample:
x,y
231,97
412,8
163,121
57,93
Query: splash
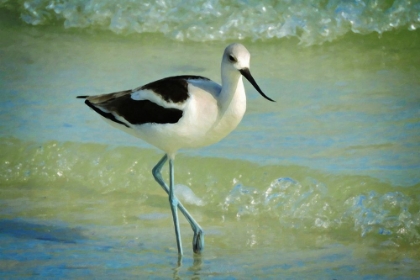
x,y
185,194
311,205
389,215
312,22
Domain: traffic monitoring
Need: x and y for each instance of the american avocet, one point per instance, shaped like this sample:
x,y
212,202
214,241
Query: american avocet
x,y
181,112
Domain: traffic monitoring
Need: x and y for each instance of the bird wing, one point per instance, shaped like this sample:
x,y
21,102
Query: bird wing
x,y
160,102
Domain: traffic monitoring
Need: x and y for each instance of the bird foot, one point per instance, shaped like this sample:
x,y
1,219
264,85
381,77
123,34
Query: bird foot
x,y
198,241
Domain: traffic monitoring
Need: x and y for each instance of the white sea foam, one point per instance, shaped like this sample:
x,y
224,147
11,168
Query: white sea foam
x,y
311,204
313,22
185,194
343,203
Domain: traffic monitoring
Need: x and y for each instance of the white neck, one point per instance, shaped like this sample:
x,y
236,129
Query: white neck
x,y
232,86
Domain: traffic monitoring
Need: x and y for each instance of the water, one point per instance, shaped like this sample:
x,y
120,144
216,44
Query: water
x,y
322,184
312,22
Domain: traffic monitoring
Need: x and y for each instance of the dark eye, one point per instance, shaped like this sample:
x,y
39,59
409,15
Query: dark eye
x,y
232,58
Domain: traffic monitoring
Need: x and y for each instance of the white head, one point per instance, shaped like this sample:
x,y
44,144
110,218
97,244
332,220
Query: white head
x,y
236,58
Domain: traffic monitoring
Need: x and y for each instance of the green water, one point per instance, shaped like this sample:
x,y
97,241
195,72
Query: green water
x,y
82,207
322,184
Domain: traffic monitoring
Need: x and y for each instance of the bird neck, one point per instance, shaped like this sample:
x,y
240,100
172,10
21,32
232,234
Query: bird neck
x,y
232,87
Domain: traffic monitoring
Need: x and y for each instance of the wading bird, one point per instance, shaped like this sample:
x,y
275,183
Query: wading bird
x,y
181,112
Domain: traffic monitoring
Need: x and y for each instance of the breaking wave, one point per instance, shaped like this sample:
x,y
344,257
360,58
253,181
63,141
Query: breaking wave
x,y
351,204
312,22
392,216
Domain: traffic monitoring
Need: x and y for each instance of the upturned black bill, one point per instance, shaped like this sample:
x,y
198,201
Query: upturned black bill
x,y
247,74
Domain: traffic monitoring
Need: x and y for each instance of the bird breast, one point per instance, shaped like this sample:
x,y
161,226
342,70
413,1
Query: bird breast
x,y
213,119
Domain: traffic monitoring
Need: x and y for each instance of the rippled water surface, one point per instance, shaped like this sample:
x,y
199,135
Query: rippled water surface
x,y
312,21
322,184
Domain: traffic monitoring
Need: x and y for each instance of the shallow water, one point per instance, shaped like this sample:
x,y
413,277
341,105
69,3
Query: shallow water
x,y
322,184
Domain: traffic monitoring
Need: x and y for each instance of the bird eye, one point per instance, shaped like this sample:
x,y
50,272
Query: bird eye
x,y
232,58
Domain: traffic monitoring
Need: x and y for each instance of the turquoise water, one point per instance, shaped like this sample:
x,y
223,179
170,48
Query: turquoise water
x,y
322,184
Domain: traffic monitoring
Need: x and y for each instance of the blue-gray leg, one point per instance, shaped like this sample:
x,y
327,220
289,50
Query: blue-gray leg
x,y
173,202
198,239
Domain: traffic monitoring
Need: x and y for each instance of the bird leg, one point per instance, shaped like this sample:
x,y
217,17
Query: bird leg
x,y
173,202
198,239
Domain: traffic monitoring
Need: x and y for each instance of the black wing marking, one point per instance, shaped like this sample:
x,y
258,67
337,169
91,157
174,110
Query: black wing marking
x,y
104,114
135,112
172,89
142,111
